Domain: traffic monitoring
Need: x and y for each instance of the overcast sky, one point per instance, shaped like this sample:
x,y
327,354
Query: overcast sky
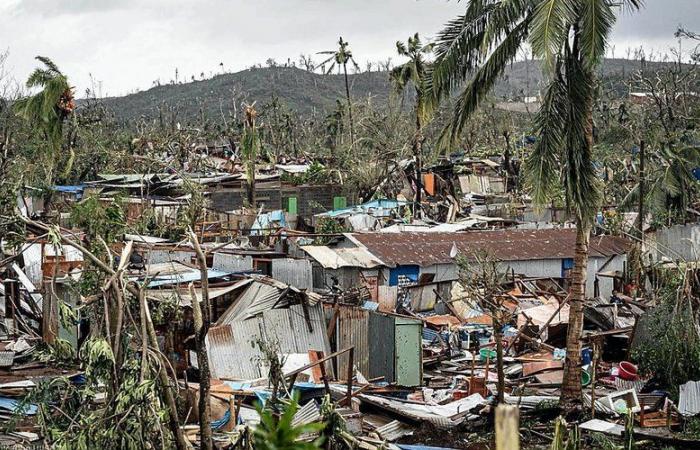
x,y
127,44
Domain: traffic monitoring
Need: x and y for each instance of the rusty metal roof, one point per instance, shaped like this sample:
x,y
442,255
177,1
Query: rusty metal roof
x,y
424,249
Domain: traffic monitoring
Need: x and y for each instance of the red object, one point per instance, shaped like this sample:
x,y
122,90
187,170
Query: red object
x,y
459,394
628,371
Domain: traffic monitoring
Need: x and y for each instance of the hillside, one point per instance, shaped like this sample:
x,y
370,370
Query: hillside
x,y
299,89
308,92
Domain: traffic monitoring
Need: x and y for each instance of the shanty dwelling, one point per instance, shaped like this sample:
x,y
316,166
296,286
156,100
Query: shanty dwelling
x,y
416,259
344,268
266,311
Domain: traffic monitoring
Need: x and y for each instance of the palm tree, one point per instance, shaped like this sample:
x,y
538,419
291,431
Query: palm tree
x,y
49,108
414,71
341,58
250,148
571,37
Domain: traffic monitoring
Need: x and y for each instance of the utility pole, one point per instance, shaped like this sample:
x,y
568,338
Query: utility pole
x,y
642,157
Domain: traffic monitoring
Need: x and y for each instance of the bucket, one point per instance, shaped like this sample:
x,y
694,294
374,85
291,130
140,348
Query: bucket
x,y
585,378
485,353
627,371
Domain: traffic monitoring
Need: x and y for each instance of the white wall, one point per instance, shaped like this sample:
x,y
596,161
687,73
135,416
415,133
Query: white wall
x,y
552,268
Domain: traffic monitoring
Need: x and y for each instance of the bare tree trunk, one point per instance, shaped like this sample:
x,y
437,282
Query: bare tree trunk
x,y
202,320
418,153
501,386
347,94
165,380
571,388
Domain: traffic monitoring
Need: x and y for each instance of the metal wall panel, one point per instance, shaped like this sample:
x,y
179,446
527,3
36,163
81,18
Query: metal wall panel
x,y
162,256
231,350
232,263
352,331
381,346
294,272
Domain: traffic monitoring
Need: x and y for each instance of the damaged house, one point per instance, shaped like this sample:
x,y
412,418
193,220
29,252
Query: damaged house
x,y
426,265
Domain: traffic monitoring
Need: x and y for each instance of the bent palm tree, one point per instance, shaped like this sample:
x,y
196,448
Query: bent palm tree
x,y
414,71
571,37
342,57
50,107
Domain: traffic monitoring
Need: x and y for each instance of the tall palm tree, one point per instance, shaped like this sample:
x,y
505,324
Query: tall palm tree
x,y
414,72
48,109
570,37
341,57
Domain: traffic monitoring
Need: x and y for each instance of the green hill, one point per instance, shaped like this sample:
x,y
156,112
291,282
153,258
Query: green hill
x,y
308,92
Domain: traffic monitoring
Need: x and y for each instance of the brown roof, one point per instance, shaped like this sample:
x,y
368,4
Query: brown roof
x,y
507,245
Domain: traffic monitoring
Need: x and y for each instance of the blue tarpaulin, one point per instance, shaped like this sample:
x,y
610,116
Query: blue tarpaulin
x,y
77,190
267,221
11,404
365,207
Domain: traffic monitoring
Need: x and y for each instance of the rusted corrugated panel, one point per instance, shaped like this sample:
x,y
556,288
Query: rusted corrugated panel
x,y
423,249
423,298
352,331
386,297
294,272
231,351
232,263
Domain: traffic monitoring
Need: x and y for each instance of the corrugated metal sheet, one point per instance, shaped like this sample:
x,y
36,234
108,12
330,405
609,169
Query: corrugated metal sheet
x,y
231,353
689,398
232,263
386,297
507,245
394,430
382,349
335,258
258,297
308,413
231,348
294,272
352,330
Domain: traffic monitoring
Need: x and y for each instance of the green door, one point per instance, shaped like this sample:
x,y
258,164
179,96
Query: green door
x,y
409,364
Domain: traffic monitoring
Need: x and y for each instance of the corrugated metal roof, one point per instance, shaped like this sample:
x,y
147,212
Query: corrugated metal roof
x,y
507,245
335,258
258,297
184,294
394,431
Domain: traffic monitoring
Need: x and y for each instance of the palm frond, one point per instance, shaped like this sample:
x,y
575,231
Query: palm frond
x,y
551,21
483,81
542,166
597,20
582,187
457,48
